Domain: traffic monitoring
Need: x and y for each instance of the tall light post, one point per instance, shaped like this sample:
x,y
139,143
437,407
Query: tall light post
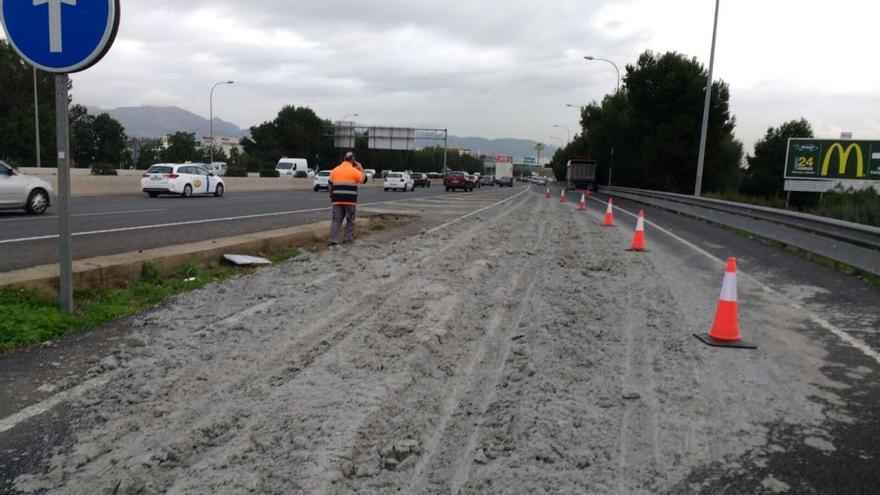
x,y
616,69
211,119
701,161
560,126
350,115
37,119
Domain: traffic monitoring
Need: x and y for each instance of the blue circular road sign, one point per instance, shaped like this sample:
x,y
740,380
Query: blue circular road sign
x,y
60,35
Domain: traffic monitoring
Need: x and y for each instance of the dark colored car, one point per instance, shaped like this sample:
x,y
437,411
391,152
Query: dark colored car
x,y
506,181
457,180
421,180
487,180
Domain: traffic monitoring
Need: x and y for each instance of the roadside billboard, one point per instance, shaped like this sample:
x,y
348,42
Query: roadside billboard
x,y
823,159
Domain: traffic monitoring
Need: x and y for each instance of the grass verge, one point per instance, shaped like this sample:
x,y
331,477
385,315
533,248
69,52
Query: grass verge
x,y
28,316
816,258
31,317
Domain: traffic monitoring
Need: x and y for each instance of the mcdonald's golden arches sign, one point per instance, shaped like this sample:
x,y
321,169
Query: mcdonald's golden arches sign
x,y
832,159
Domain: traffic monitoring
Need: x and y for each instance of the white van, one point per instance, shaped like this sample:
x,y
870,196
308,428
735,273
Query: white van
x,y
290,166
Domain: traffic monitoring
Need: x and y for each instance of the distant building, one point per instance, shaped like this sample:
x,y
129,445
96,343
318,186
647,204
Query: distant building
x,y
224,142
460,151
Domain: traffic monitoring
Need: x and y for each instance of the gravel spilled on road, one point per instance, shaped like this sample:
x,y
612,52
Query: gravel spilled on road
x,y
520,351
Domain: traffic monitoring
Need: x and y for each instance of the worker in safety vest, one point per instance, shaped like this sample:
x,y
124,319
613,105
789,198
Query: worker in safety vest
x,y
344,180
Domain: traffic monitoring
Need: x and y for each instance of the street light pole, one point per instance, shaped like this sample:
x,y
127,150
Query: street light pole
x,y
566,130
704,134
211,116
616,69
37,119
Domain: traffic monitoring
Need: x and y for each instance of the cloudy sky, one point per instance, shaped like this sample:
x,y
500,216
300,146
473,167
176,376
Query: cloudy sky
x,y
487,68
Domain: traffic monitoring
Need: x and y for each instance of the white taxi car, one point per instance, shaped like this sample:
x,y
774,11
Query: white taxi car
x,y
399,181
182,179
322,180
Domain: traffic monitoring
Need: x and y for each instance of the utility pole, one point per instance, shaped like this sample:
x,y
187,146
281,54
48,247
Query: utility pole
x,y
701,161
37,120
211,115
445,147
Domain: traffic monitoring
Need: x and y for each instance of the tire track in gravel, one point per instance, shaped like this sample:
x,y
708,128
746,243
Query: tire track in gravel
x,y
280,369
212,422
389,423
451,444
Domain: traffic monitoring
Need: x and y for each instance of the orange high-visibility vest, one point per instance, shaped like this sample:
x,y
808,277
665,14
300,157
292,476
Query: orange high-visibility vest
x,y
344,180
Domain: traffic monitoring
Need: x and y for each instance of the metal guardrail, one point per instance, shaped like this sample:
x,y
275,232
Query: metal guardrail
x,y
847,242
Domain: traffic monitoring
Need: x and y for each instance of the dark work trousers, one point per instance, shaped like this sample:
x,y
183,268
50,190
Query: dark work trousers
x,y
341,212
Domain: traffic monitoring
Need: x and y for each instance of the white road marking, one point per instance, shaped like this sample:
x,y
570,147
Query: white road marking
x,y
102,213
12,421
841,334
454,220
190,222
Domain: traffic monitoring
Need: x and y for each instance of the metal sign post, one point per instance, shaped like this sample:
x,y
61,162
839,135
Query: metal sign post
x,y
65,261
61,37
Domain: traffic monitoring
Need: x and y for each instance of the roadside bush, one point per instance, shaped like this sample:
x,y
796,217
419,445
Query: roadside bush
x,y
301,175
104,169
853,206
269,173
236,172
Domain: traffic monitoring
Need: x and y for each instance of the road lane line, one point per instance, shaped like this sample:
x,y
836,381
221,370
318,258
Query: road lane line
x,y
841,334
29,412
454,220
191,222
45,217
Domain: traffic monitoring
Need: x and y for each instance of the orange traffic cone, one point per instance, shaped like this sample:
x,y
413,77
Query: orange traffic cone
x,y
547,194
609,215
562,196
639,237
725,329
582,206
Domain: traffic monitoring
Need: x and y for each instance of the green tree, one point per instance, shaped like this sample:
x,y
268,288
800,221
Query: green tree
x,y
148,156
653,126
96,140
110,140
182,147
295,132
17,140
764,176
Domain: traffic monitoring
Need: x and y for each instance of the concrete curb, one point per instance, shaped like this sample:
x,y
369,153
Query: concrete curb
x,y
120,269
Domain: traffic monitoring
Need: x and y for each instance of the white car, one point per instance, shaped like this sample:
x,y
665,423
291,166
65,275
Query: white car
x,y
370,173
322,180
219,168
399,181
183,179
23,192
290,166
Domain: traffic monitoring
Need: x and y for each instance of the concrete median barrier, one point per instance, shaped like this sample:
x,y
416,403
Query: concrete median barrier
x,y
127,183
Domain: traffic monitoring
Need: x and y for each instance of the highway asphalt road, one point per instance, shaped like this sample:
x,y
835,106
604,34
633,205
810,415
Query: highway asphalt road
x,y
110,225
801,414
843,309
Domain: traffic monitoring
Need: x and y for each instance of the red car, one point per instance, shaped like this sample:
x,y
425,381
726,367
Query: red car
x,y
458,180
420,180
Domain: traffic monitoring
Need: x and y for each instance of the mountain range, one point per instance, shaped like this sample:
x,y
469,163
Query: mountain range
x,y
151,121
155,121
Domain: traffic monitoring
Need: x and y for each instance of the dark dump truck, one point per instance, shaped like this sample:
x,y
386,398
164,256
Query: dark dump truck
x,y
581,174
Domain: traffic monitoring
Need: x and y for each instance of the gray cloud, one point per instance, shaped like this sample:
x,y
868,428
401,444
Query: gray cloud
x,y
489,68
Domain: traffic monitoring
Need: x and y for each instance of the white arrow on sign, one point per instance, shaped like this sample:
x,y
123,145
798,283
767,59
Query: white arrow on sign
x,y
54,22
